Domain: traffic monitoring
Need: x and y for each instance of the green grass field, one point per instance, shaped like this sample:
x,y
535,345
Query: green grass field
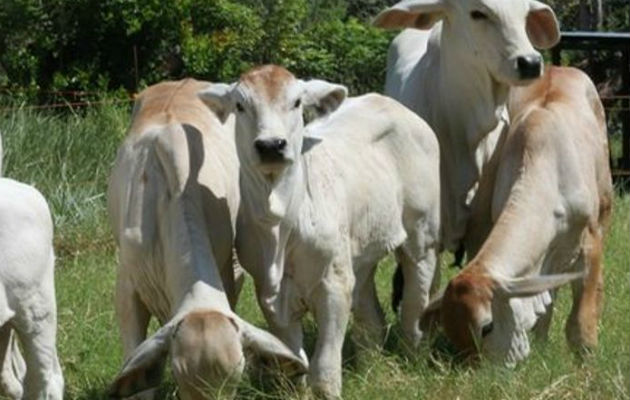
x,y
68,158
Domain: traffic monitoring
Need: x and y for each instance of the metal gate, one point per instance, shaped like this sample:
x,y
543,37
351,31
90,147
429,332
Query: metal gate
x,y
607,41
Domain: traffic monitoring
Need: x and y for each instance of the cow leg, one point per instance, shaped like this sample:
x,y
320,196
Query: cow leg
x,y
581,327
13,366
232,277
419,263
541,329
133,320
331,304
239,280
43,373
292,336
369,320
133,316
36,327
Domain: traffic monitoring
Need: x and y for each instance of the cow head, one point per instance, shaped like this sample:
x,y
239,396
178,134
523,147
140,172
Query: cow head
x,y
497,35
268,102
469,309
207,350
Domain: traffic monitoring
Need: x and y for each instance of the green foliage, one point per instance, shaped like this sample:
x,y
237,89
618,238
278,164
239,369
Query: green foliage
x,y
108,44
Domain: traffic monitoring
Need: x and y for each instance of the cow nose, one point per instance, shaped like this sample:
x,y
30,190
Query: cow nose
x,y
529,67
270,149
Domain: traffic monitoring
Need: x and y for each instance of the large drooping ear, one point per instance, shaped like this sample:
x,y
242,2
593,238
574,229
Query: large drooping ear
x,y
268,347
432,314
531,286
542,25
143,370
324,97
218,98
419,14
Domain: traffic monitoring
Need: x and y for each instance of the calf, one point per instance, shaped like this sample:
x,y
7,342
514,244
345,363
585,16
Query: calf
x,y
322,204
27,301
172,202
550,204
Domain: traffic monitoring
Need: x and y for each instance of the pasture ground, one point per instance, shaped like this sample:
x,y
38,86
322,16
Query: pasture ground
x,y
68,158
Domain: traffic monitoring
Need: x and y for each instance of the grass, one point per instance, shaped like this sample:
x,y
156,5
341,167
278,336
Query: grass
x,y
68,157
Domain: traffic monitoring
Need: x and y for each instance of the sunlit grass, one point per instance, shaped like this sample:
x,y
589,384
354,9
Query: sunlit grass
x,y
68,158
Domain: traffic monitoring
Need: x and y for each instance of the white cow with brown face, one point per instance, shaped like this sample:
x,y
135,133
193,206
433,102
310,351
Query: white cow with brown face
x,y
172,203
323,203
454,68
550,203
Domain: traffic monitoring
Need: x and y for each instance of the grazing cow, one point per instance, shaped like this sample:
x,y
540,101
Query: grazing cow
x,y
457,77
172,201
317,217
550,206
27,305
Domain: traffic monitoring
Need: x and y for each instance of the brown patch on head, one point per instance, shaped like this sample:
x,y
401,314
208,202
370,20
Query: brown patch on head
x,y
465,296
267,80
206,352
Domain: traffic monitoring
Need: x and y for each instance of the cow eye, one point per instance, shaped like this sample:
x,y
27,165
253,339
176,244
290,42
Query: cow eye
x,y
239,107
478,15
297,103
487,329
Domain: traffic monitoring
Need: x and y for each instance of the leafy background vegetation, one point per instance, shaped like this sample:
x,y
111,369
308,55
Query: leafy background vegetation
x,y
113,44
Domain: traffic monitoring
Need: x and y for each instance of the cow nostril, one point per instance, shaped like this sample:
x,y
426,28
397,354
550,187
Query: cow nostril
x,y
529,66
280,144
270,149
260,145
487,329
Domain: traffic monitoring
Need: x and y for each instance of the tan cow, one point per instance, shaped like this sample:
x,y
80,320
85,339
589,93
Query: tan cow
x,y
550,205
172,202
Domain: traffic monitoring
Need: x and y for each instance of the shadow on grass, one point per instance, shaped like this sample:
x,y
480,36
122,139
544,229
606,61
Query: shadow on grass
x,y
99,391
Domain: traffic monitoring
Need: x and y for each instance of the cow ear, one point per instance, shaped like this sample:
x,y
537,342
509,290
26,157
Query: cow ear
x,y
308,142
266,346
218,98
531,286
432,314
419,14
143,370
542,25
324,97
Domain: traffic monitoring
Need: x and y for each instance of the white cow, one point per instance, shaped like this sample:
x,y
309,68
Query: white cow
x,y
549,206
172,202
318,217
27,302
457,77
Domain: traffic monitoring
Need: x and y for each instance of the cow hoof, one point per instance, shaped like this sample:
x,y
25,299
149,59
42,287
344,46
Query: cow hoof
x,y
325,389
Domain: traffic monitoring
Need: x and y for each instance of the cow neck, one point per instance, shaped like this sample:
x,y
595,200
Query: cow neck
x,y
524,230
193,276
282,196
471,91
274,207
